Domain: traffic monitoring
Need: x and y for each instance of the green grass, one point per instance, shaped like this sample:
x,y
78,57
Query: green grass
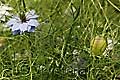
x,y
59,49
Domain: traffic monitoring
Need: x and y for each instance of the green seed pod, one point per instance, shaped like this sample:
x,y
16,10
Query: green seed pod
x,y
98,45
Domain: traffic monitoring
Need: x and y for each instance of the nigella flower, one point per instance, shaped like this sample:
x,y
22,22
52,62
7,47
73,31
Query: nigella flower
x,y
4,11
26,22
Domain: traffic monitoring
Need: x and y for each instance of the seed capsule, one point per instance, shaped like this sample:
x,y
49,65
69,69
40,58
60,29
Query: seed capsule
x,y
98,45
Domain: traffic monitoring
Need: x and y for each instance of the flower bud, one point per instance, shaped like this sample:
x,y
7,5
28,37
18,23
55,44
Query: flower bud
x,y
98,45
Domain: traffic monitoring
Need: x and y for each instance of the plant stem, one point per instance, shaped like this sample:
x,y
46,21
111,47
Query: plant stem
x,y
24,5
30,67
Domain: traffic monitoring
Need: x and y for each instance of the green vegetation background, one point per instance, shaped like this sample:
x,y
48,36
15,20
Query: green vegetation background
x,y
59,49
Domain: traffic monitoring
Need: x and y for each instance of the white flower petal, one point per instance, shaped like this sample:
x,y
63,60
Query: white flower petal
x,y
33,22
2,18
32,12
2,12
23,27
31,28
16,32
7,13
11,22
5,7
15,27
2,15
31,17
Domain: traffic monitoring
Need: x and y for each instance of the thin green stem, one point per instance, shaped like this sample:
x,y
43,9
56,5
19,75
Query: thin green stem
x,y
113,5
24,5
19,7
30,67
30,56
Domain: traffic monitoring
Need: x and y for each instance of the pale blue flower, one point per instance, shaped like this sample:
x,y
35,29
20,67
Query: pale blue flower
x,y
28,23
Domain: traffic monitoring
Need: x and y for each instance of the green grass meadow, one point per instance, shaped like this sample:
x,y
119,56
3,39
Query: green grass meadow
x,y
59,49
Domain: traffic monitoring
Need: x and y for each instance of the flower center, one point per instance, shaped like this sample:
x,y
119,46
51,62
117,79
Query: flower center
x,y
23,18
